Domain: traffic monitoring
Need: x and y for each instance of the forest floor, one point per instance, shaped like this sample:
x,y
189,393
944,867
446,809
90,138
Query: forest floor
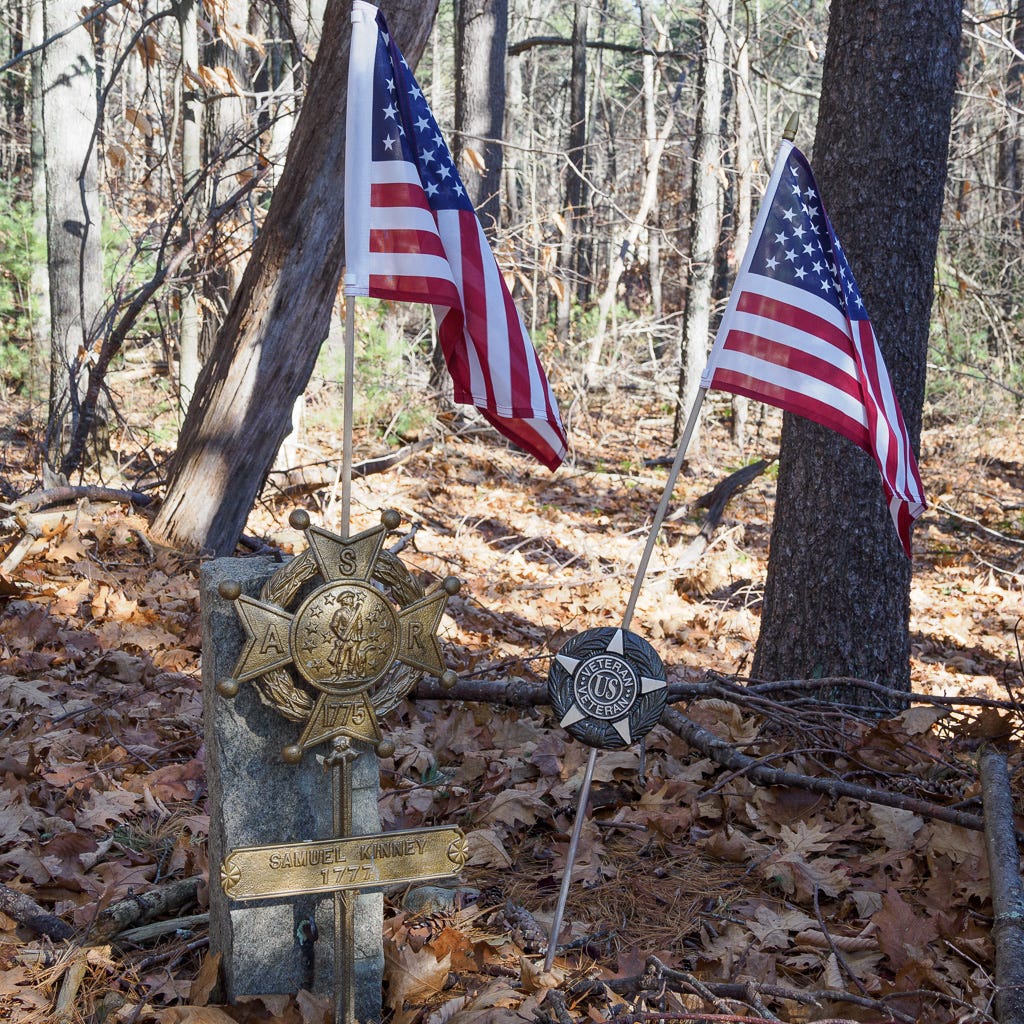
x,y
700,891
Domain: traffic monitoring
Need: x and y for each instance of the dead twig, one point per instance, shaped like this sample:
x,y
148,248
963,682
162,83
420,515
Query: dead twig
x,y
299,480
987,530
147,932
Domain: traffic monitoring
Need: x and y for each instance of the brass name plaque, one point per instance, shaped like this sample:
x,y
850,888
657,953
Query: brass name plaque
x,y
360,862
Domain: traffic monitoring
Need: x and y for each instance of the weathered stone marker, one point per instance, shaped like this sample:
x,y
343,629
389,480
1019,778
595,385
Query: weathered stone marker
x,y
359,655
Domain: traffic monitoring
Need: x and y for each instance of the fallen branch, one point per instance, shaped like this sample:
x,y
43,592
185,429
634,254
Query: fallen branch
x,y
728,756
148,932
523,693
300,480
1007,891
27,912
67,494
150,906
656,975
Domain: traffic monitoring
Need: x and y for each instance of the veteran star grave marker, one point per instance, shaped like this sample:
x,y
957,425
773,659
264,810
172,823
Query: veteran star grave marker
x,y
334,639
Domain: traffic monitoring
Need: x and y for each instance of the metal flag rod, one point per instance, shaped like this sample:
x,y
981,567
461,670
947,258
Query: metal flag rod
x,y
340,759
659,515
645,559
347,402
570,856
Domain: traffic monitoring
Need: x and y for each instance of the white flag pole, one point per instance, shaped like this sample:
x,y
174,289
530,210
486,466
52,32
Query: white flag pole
x,y
347,400
666,497
362,48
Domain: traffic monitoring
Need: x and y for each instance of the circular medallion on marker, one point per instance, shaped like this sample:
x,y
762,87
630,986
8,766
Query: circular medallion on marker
x,y
607,687
344,636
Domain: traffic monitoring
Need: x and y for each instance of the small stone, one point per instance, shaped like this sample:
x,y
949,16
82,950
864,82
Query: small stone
x,y
436,899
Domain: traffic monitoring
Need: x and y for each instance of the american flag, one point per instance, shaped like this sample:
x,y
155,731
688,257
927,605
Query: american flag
x,y
796,335
411,235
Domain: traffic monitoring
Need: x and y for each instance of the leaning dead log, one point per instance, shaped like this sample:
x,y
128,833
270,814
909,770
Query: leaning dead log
x,y
1007,891
718,497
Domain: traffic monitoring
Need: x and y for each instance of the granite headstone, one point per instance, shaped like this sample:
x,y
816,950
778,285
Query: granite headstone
x,y
256,799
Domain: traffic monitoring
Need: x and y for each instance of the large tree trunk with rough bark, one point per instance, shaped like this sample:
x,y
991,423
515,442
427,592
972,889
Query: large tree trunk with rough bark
x,y
481,32
265,352
837,595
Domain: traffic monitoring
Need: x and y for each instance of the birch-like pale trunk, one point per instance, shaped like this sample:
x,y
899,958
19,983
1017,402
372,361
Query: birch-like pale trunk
x,y
705,210
74,257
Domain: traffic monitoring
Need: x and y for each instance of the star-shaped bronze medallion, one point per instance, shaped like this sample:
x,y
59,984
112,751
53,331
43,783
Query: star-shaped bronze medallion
x,y
343,638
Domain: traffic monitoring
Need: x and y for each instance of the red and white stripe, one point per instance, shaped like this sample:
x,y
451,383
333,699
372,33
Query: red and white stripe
x,y
399,248
781,345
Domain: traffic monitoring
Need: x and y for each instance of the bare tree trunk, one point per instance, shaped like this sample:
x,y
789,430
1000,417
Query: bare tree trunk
x,y
744,109
225,126
40,273
72,213
575,184
481,33
265,351
652,38
652,161
705,209
1010,171
191,111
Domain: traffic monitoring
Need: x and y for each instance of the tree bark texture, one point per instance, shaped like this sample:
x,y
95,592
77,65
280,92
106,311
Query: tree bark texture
x,y
72,212
481,34
837,594
705,208
265,352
